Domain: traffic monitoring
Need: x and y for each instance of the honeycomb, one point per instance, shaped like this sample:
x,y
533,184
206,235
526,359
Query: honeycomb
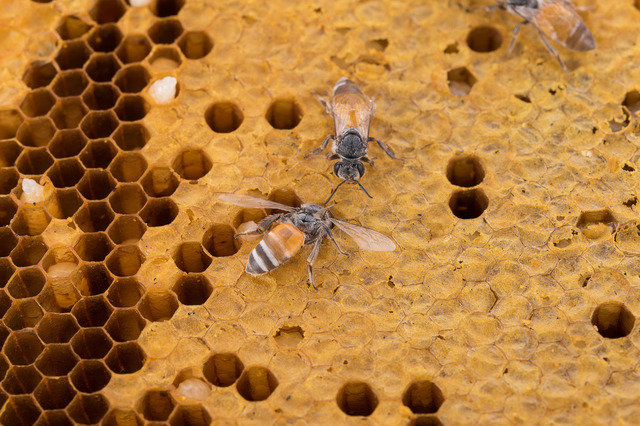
x,y
512,297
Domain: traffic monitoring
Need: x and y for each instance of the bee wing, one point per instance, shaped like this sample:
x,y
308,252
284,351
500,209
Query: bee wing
x,y
558,20
253,202
352,110
366,238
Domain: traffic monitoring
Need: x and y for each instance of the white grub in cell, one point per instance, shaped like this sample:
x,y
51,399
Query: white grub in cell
x,y
192,389
163,91
249,227
61,270
139,3
32,191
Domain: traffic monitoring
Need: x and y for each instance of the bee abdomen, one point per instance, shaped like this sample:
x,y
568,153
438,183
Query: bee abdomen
x,y
280,245
581,38
344,85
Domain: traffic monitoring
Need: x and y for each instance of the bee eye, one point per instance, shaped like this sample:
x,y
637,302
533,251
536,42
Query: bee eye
x,y
336,168
360,167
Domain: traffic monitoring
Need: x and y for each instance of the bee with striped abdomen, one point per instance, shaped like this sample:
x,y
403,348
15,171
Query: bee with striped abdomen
x,y
298,227
352,112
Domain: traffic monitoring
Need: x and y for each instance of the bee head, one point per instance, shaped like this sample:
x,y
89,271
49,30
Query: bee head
x,y
349,171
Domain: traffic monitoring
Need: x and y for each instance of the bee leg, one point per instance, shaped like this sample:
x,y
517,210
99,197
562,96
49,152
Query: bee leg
x,y
311,259
332,157
554,52
263,225
321,147
514,36
325,103
330,236
367,160
385,148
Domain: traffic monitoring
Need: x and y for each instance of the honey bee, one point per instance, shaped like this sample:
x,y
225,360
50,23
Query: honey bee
x,y
555,19
298,227
352,111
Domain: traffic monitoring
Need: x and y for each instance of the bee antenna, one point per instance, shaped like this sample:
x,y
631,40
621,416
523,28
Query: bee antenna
x,y
334,191
365,191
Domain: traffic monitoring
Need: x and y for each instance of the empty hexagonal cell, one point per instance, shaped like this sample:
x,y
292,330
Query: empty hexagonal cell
x,y
8,241
98,154
125,325
20,410
128,166
105,38
423,397
71,27
72,55
284,114
102,67
37,102
39,74
219,240
128,199
132,79
125,292
99,124
134,48
632,101
125,261
165,31
36,132
90,376
57,328
126,230
192,164
468,204
357,399
159,212
165,58
223,370
131,136
191,257
156,405
28,282
224,117
21,380
8,180
460,81
484,39
596,224
31,220
91,343
29,251
105,11
125,358
67,143
23,347
9,151
92,311
100,96
23,314
160,182
66,173
56,360
54,393
465,171
88,409
613,320
96,184
54,417
94,216
158,304
68,113
70,83
121,416
93,247
193,289
10,121
34,161
68,200
8,210
131,108
256,383
195,44
164,8
92,279
289,337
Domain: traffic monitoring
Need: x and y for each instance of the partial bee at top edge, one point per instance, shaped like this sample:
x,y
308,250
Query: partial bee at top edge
x,y
308,224
352,112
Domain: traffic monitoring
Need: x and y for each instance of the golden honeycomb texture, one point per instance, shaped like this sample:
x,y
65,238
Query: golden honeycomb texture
x,y
513,295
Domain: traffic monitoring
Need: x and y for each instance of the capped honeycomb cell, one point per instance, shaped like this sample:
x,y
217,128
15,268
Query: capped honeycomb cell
x,y
94,216
9,178
131,136
164,8
93,279
192,164
224,117
125,325
70,83
22,347
37,102
101,96
191,257
119,417
8,241
20,410
106,11
128,199
219,240
465,171
357,399
105,38
125,292
23,314
34,161
98,154
423,397
159,212
134,48
9,152
88,409
93,247
90,376
71,27
484,39
193,289
165,31
54,393
10,121
128,166
36,132
132,79
125,358
99,124
223,369
126,229
256,383
68,113
131,108
57,328
29,251
613,320
65,173
8,210
195,44
284,114
102,67
92,311
39,74
67,143
125,261
21,380
91,343
28,282
165,58
160,182
468,204
158,305
461,81
96,184
73,54
31,220
156,405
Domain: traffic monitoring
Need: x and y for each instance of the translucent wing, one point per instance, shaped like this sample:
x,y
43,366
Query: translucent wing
x,y
253,202
366,238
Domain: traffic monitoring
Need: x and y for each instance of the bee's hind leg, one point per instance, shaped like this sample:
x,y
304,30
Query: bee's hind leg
x,y
333,240
514,36
263,225
385,148
311,259
321,148
554,52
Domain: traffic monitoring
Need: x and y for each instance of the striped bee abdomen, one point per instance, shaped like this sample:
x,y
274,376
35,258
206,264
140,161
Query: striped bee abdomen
x,y
280,245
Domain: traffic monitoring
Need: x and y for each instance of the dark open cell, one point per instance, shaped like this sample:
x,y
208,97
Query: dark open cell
x,y
164,8
127,199
93,247
159,212
57,328
39,74
191,257
21,380
160,182
465,171
484,39
125,292
54,393
100,96
219,240
357,399
91,343
105,38
90,376
423,397
460,81
613,320
66,173
223,369
94,216
99,124
158,305
88,409
10,120
92,311
98,154
284,114
128,167
468,204
23,347
29,251
37,102
20,410
256,383
68,113
96,184
34,161
125,261
224,117
36,132
132,79
193,289
195,44
131,136
134,48
192,164
70,83
71,27
67,143
73,54
105,11
9,178
9,152
102,67
125,358
156,405
8,210
125,325
165,31
132,108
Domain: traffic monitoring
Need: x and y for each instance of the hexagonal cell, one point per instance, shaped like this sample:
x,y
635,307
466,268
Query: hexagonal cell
x,y
193,289
36,132
191,257
88,409
632,101
128,166
192,164
224,117
94,216
8,241
8,180
9,151
10,121
100,96
165,31
120,417
8,210
91,343
134,48
128,199
165,58
34,161
28,282
20,410
102,67
289,337
93,247
613,320
90,376
423,397
99,124
125,261
132,79
158,305
31,220
70,83
29,251
23,314
105,38
468,204
68,113
98,154
71,27
126,230
21,380
23,347
54,417
125,325
223,370
160,182
484,39
96,184
125,292
219,240
131,108
60,262
66,173
67,143
131,136
195,44
39,74
57,328
596,224
105,11
193,414
460,81
284,114
69,201
159,212
54,393
56,360
256,383
72,55
357,399
92,279
92,311
156,405
465,171
164,8
37,102
425,420
125,358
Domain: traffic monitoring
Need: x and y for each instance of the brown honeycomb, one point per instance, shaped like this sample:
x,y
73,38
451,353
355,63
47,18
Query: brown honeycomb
x,y
513,296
